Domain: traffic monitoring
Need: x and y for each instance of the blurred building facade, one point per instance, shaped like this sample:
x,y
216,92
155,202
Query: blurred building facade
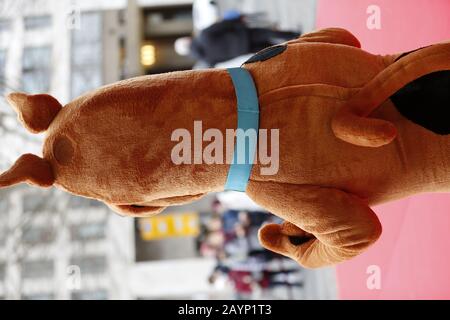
x,y
53,245
57,246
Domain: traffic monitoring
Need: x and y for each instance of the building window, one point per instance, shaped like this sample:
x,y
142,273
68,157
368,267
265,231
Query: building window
x,y
39,296
5,25
79,202
37,22
36,69
37,202
37,269
38,235
2,271
2,237
100,294
90,264
4,206
86,55
168,21
2,68
91,231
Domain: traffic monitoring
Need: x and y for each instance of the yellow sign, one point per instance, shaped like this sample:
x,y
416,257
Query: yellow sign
x,y
148,56
169,225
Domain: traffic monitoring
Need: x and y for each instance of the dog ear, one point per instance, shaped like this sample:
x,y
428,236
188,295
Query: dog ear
x,y
30,169
353,122
35,112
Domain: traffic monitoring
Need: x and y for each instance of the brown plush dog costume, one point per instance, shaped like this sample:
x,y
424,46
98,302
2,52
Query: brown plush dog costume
x,y
344,144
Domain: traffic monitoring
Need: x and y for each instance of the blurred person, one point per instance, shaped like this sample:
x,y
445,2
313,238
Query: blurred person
x,y
217,207
229,220
236,245
204,13
211,236
259,217
215,239
229,39
244,219
212,243
214,223
246,282
242,281
219,280
271,279
227,217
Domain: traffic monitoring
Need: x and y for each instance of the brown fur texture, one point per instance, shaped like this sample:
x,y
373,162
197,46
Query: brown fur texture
x,y
343,145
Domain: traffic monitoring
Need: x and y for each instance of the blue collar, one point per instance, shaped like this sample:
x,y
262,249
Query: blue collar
x,y
248,120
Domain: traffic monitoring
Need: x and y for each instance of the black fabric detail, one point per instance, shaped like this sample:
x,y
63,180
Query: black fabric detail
x,y
406,53
426,102
296,241
267,53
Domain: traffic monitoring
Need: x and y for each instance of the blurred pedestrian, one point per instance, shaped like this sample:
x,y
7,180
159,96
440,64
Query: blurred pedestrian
x,y
229,39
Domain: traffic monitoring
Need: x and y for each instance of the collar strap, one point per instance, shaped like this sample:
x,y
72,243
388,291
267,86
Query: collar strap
x,y
248,120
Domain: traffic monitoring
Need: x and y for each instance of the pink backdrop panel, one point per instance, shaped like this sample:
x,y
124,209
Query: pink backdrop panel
x,y
413,253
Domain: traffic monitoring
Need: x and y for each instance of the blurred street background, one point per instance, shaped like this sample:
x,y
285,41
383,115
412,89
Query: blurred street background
x,y
57,246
